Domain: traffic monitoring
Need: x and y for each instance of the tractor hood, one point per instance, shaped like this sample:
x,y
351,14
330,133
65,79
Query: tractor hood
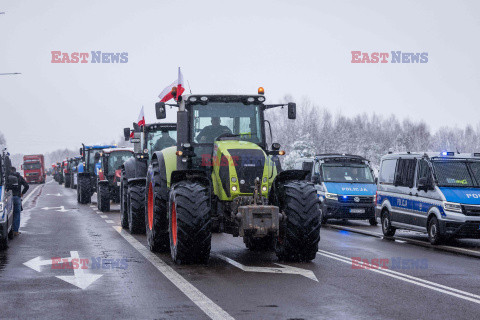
x,y
237,164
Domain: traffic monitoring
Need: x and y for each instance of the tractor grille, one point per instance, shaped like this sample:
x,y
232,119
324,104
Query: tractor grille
x,y
249,165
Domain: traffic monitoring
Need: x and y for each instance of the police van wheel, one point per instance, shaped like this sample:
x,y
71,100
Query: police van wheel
x,y
373,221
434,235
388,230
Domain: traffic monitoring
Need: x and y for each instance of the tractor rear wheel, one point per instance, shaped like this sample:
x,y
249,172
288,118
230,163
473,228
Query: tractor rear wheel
x,y
189,223
136,211
156,221
103,198
84,190
300,232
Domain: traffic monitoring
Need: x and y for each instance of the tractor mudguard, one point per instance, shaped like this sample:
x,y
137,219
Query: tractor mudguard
x,y
137,181
190,175
275,197
135,168
103,182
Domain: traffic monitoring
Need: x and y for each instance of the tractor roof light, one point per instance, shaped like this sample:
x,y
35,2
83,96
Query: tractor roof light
x,y
281,152
261,90
179,153
174,91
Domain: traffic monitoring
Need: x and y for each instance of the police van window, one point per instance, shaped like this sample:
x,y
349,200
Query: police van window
x,y
387,171
405,173
424,170
453,174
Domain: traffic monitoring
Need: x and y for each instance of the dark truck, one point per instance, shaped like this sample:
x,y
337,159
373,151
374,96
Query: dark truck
x,y
109,176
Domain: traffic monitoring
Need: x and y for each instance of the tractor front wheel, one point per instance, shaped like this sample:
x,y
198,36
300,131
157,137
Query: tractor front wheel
x,y
189,223
300,232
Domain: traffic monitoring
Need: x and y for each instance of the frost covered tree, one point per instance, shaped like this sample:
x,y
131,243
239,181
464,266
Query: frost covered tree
x,y
303,147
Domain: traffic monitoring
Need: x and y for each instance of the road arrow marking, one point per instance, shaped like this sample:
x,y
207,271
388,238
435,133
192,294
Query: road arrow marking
x,y
36,263
60,209
284,270
79,279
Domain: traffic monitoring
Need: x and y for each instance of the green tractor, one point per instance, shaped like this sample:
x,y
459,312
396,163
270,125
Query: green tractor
x,y
221,176
146,140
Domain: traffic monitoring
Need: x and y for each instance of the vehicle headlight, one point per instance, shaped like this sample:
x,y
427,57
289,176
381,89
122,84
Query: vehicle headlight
x,y
331,196
264,188
455,207
234,188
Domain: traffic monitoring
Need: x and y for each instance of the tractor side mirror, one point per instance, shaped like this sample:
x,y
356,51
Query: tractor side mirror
x,y
126,133
160,110
276,146
81,151
292,110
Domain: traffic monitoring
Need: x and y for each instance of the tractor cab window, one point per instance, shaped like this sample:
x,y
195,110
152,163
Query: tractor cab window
x,y
159,140
91,160
116,160
217,118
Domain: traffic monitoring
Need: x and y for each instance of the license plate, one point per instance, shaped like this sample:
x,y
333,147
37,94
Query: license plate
x,y
357,210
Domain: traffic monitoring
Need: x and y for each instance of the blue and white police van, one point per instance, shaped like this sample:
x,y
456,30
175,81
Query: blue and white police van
x,y
345,184
437,193
6,200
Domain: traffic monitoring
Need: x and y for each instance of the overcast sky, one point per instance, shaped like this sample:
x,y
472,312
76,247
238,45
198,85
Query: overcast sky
x,y
302,48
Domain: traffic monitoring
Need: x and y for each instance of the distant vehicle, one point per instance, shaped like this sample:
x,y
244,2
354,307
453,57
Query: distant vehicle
x,y
345,185
34,168
7,181
87,171
154,137
437,193
73,168
109,176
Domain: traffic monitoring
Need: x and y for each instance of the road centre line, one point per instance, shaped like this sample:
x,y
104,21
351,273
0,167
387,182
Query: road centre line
x,y
196,296
407,278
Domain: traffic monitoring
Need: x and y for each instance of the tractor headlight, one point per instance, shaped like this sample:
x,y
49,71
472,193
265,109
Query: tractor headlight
x,y
233,179
264,188
265,179
234,188
331,196
455,207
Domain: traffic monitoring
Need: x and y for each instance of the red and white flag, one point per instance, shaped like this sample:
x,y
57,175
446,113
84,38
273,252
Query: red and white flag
x,y
140,121
166,94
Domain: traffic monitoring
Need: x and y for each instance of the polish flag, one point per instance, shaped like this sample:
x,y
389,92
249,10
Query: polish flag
x,y
140,121
166,94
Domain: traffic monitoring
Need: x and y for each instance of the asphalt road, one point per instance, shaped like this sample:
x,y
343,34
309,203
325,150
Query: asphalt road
x,y
127,281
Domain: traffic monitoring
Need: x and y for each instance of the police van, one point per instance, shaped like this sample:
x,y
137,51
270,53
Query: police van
x,y
437,193
345,184
7,182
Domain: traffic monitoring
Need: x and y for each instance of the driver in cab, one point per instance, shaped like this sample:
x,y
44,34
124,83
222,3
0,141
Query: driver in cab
x,y
209,133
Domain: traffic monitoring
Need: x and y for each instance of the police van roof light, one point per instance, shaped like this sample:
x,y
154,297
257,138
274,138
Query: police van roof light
x,y
449,154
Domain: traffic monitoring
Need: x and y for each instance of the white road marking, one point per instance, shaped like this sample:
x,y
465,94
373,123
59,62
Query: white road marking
x,y
54,194
58,209
104,216
79,279
202,301
30,194
109,221
284,270
407,278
